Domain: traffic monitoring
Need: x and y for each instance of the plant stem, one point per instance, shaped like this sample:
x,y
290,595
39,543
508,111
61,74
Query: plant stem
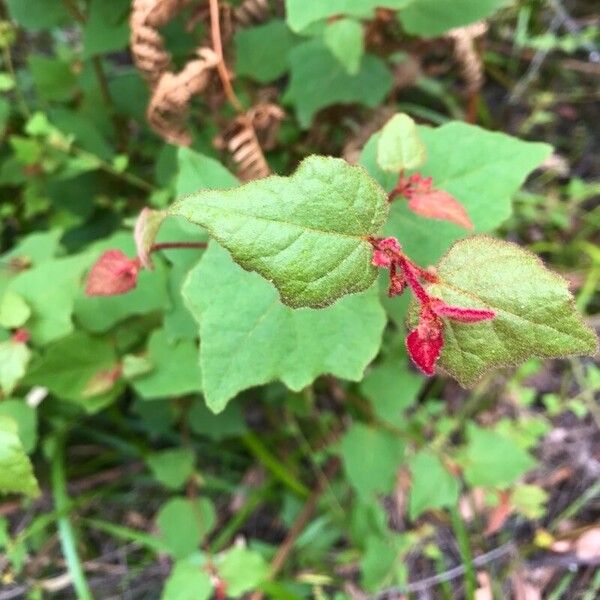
x,y
462,538
215,30
173,245
66,532
8,63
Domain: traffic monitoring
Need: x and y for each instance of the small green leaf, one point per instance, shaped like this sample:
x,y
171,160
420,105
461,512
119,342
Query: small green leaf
x,y
187,582
26,419
535,313
242,570
7,82
198,172
529,500
307,234
400,146
432,486
371,459
490,459
250,338
172,467
53,78
16,472
184,523
106,28
318,80
14,311
344,38
14,357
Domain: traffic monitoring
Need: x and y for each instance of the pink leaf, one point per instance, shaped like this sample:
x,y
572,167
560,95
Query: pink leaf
x,y
464,315
425,350
437,204
113,273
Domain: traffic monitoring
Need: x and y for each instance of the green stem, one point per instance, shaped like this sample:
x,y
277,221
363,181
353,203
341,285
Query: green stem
x,y
8,63
464,547
66,533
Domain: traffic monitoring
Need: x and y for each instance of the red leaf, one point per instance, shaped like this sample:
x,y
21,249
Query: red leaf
x,y
425,350
464,315
113,273
437,204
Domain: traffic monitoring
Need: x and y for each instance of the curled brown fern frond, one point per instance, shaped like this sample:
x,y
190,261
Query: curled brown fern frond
x,y
466,54
251,12
266,118
241,141
168,108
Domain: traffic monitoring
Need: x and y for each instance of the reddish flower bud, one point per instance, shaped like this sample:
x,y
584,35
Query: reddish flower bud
x,y
385,251
425,351
21,336
113,273
464,315
397,285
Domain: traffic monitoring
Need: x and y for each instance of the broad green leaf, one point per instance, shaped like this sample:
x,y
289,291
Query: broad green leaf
x,y
70,365
172,467
400,146
262,51
432,485
371,459
344,38
535,313
242,570
176,371
490,459
481,169
184,523
16,472
14,357
318,80
53,78
26,419
250,338
307,233
38,14
187,582
106,28
14,311
433,17
302,13
383,563
198,172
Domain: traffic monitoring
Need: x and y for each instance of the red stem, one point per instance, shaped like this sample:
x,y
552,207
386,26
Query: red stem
x,y
411,278
172,245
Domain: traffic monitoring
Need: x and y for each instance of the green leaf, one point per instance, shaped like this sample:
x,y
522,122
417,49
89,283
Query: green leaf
x,y
431,17
490,459
432,486
14,357
400,146
227,424
242,570
199,172
106,28
16,472
70,365
26,419
37,14
481,169
530,500
187,582
302,13
184,523
307,233
7,82
344,38
318,80
172,467
371,459
535,313
14,311
176,371
262,51
53,78
249,338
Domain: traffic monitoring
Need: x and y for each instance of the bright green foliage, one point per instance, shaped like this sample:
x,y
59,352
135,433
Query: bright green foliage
x,y
432,485
491,459
184,524
400,146
37,14
107,27
535,313
242,570
344,38
318,80
371,459
383,563
172,467
250,338
198,172
14,311
53,78
305,233
434,17
16,473
529,500
481,169
187,581
69,366
26,419
176,371
14,357
262,51
301,13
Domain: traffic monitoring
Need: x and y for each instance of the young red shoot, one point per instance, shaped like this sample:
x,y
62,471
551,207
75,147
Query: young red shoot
x,y
113,273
